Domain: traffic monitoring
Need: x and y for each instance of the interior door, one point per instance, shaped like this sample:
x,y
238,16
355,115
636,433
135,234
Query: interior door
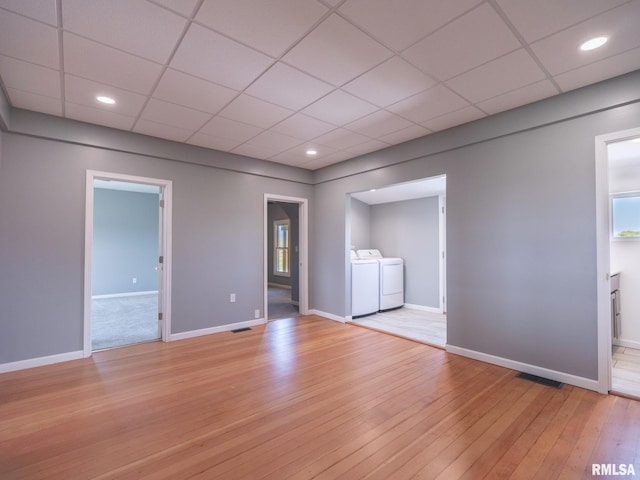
x,y
160,266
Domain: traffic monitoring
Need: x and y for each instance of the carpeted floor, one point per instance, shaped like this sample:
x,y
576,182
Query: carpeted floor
x,y
122,321
280,305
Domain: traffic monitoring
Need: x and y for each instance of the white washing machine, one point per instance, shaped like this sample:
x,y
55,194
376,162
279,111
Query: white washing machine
x,y
365,285
391,272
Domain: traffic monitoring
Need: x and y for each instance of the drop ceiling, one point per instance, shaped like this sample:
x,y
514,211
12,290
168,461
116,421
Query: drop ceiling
x,y
272,79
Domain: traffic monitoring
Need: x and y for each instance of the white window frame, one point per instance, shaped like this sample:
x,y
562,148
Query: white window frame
x,y
276,225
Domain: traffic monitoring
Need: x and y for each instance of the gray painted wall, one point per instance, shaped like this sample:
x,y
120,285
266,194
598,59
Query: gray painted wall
x,y
410,229
125,241
217,235
360,225
521,232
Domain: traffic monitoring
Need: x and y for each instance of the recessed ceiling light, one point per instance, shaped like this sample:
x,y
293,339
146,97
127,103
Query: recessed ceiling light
x,y
107,100
636,140
372,190
594,43
312,152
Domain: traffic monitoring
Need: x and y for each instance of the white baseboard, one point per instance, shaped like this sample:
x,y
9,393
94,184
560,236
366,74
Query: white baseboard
x,y
627,343
330,316
129,294
524,367
217,329
412,306
40,361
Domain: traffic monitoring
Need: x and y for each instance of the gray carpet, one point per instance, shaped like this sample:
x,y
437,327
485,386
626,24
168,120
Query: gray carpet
x,y
280,305
122,321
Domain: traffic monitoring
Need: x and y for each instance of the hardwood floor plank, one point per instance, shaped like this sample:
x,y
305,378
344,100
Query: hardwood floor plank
x,y
299,399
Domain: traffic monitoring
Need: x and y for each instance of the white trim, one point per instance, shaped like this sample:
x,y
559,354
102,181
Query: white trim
x,y
329,316
303,253
166,187
603,288
627,343
40,361
118,295
582,382
423,308
221,328
442,240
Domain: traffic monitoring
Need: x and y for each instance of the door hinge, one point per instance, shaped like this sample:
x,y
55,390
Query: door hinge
x,y
161,203
442,254
161,259
159,315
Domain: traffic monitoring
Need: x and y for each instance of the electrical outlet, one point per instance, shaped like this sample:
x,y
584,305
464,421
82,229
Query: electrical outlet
x,y
256,314
232,297
134,280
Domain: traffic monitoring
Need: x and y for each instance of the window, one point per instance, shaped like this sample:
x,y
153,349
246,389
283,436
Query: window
x,y
281,245
625,215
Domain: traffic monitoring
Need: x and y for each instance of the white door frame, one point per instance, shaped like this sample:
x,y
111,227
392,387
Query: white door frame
x,y
603,239
166,187
303,253
442,227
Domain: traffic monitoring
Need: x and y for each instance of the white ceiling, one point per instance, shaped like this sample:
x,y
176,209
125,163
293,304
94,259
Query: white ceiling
x,y
126,186
427,187
271,78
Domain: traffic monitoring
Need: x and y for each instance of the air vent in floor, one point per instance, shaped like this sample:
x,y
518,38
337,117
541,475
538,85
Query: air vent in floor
x,y
238,330
540,380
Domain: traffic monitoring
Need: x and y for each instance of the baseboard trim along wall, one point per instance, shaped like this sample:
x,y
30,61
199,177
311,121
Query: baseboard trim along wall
x,y
627,343
422,308
329,316
220,328
40,361
524,367
129,294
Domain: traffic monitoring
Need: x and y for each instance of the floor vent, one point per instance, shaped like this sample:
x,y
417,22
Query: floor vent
x,y
238,330
540,380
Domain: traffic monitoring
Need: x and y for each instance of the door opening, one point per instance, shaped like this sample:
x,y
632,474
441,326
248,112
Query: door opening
x,y
126,261
285,254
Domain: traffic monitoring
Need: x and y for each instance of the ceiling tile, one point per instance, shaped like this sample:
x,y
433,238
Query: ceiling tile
x,y
217,143
560,52
256,111
275,140
406,134
42,10
367,147
500,76
211,56
35,102
182,89
159,111
147,127
535,20
337,156
341,139
521,96
224,127
28,40
298,154
469,41
98,116
378,124
403,22
275,86
336,52
598,71
254,151
459,117
30,77
339,108
183,7
84,92
107,65
301,126
126,25
429,104
270,27
389,82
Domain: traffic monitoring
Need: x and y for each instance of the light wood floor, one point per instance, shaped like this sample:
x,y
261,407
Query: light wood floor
x,y
298,399
625,371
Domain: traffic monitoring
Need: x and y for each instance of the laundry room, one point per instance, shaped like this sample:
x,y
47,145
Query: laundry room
x,y
404,222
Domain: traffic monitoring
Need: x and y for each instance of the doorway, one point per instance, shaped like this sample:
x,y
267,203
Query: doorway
x,y
285,257
127,266
618,253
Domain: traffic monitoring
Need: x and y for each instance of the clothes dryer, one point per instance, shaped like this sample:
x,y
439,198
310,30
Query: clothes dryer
x,y
391,273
